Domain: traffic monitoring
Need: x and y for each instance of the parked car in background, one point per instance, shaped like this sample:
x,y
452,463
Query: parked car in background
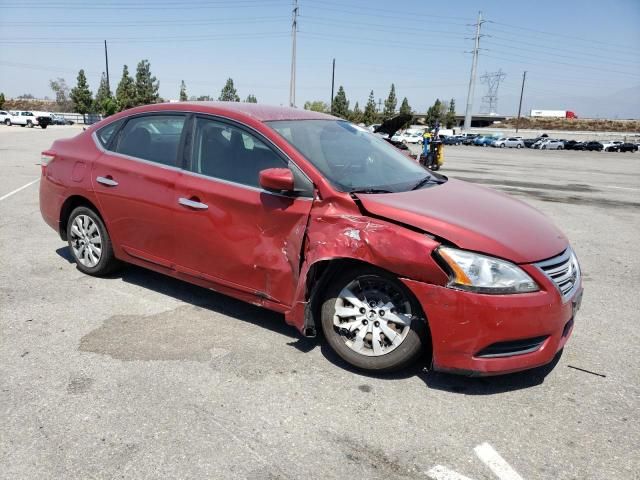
x,y
483,141
388,260
530,142
611,146
469,139
552,144
5,117
452,140
593,146
628,147
29,119
412,137
511,142
574,145
60,120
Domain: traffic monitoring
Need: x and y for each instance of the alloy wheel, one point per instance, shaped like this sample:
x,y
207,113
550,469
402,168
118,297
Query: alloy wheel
x,y
372,316
86,241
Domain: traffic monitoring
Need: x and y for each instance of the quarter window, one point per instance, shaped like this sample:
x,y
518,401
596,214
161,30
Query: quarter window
x,y
222,151
153,137
105,134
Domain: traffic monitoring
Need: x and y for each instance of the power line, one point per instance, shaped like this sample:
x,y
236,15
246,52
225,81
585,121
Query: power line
x,y
546,62
582,39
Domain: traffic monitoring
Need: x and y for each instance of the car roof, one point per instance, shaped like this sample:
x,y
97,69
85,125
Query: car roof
x,y
257,111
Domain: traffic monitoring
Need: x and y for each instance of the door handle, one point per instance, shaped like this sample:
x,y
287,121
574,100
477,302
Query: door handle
x,y
109,182
192,203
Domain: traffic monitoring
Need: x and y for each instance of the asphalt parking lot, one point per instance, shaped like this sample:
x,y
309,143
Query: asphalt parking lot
x,y
142,376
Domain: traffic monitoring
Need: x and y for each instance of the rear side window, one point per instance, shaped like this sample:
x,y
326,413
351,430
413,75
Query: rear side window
x,y
105,134
153,137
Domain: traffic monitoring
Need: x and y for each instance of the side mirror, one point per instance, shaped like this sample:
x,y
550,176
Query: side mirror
x,y
277,179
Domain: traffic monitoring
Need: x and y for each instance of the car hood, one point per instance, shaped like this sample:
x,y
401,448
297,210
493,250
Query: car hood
x,y
392,125
474,218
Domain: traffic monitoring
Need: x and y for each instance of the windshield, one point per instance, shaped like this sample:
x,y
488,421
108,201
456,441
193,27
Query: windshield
x,y
350,157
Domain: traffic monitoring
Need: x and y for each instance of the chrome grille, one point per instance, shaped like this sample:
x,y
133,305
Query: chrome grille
x,y
563,271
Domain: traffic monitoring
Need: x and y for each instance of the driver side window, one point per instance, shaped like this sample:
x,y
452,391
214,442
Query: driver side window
x,y
229,153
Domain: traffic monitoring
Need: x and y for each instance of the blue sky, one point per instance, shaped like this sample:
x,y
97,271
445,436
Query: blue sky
x,y
580,55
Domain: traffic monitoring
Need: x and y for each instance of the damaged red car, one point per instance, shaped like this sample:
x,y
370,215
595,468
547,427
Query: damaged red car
x,y
313,217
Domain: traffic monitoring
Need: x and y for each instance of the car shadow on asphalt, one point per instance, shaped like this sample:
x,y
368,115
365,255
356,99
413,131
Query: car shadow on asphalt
x,y
460,384
263,318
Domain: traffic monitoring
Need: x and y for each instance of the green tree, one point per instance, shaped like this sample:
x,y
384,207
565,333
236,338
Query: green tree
x,y
450,117
183,92
126,91
405,108
2,100
390,103
81,96
251,99
340,107
147,85
228,92
203,98
435,113
317,106
60,88
356,114
370,116
103,101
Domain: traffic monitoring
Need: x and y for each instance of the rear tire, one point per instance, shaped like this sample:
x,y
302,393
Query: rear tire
x,y
89,243
29,124
391,332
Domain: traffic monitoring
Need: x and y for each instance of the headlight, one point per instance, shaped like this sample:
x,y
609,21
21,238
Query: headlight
x,y
483,274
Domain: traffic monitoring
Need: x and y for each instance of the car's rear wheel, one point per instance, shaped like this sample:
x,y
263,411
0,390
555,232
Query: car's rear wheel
x,y
90,243
29,124
518,146
372,321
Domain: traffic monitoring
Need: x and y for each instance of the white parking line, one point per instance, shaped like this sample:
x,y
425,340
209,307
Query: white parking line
x,y
443,473
18,189
496,463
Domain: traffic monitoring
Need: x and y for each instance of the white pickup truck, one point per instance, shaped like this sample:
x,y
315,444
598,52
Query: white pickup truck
x,y
28,119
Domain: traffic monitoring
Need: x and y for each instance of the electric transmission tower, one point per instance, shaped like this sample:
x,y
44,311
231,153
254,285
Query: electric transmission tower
x,y
490,100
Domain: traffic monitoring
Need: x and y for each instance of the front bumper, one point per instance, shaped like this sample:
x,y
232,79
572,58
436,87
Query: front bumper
x,y
465,326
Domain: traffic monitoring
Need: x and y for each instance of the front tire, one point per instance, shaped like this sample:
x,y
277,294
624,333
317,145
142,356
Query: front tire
x,y
7,122
90,243
372,321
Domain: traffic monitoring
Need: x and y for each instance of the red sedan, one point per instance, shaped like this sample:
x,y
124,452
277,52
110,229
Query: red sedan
x,y
311,216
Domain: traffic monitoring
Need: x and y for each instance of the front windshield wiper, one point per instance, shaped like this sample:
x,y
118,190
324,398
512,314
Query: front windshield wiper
x,y
370,190
425,181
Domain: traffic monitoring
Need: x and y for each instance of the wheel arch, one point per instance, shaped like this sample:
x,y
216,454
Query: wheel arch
x,y
69,205
321,272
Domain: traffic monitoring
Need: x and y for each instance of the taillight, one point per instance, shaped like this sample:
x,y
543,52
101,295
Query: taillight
x,y
45,159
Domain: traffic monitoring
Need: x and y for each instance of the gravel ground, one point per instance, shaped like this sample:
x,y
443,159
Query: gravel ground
x,y
142,376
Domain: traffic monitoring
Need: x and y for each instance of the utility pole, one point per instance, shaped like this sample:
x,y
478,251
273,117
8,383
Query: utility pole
x,y
333,78
524,77
106,61
294,29
472,80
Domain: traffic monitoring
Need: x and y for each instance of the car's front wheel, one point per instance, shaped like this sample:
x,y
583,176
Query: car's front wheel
x,y
7,122
90,243
372,321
